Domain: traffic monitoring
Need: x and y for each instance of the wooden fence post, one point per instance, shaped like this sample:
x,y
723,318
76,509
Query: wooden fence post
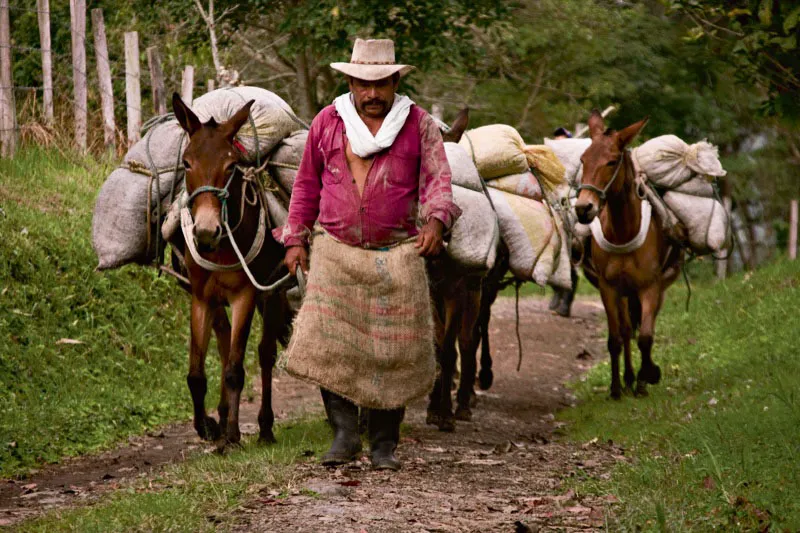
x,y
187,84
210,85
43,7
8,113
104,79
133,95
793,230
77,12
157,81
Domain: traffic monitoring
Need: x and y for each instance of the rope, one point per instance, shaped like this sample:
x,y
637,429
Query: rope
x,y
517,285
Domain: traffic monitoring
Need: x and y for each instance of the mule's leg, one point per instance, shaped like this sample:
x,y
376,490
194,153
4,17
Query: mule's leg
x,y
468,347
447,359
222,330
267,352
242,308
649,372
612,304
626,331
485,376
202,314
434,400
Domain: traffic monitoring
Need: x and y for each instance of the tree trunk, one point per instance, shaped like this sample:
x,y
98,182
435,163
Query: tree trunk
x,y
306,88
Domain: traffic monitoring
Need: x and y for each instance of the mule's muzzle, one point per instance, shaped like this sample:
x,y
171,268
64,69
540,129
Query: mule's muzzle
x,y
586,212
208,238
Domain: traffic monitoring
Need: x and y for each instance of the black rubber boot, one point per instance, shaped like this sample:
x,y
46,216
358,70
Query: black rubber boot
x,y
343,417
564,307
384,434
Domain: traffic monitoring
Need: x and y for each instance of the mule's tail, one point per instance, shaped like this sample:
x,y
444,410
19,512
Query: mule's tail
x,y
635,312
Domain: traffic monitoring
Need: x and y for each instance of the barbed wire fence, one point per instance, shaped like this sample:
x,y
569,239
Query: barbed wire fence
x,y
97,84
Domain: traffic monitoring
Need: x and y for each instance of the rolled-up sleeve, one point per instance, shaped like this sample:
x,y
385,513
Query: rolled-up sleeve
x,y
304,204
435,189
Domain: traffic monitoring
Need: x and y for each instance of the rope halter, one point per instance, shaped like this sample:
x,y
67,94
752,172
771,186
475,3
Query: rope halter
x,y
603,193
222,194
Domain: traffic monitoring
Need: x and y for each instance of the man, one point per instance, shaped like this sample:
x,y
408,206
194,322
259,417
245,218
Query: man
x,y
375,179
561,303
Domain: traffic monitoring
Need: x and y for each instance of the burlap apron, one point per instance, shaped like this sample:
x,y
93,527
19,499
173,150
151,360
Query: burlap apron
x,y
365,329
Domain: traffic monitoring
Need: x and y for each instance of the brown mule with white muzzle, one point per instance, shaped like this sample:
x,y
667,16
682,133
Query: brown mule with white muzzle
x,y
224,208
630,259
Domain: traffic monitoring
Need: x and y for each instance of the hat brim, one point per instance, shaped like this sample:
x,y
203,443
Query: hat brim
x,y
371,72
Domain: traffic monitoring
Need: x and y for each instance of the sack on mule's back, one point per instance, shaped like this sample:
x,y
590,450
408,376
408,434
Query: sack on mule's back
x,y
669,162
569,152
462,168
285,159
527,229
705,219
272,116
498,150
524,184
475,236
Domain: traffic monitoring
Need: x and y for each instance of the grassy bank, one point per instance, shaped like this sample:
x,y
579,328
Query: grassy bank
x,y
86,358
715,445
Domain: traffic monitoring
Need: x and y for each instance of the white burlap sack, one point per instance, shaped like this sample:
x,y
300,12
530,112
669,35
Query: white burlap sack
x,y
527,229
273,117
523,184
705,219
165,142
286,158
498,150
697,186
475,236
462,168
562,270
669,162
119,223
569,152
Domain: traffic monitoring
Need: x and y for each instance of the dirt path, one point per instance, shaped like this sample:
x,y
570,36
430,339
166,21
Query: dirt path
x,y
498,469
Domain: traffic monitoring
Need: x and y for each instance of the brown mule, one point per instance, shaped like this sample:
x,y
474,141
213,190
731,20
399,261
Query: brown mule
x,y
631,283
212,180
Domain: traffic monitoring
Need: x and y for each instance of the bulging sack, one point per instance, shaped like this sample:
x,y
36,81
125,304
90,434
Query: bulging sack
x,y
119,224
569,152
527,229
498,150
669,162
524,184
562,269
285,160
475,236
548,168
272,116
705,219
462,168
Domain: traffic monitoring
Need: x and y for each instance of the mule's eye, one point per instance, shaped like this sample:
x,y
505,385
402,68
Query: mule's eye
x,y
186,165
611,163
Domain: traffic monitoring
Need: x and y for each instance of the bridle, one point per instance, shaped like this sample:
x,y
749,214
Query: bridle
x,y
603,193
222,194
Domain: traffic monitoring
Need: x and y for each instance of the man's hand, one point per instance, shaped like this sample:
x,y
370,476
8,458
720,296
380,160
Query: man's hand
x,y
295,255
429,240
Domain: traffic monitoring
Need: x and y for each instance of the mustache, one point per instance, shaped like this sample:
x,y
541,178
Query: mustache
x,y
374,101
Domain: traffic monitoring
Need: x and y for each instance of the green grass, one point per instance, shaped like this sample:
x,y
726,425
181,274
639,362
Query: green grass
x,y
205,493
716,445
127,374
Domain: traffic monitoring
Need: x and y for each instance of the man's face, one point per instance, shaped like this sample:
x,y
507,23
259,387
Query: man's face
x,y
374,99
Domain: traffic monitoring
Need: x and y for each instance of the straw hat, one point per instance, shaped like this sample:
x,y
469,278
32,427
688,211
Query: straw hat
x,y
372,59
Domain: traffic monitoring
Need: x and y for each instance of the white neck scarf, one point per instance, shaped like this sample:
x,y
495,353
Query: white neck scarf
x,y
362,142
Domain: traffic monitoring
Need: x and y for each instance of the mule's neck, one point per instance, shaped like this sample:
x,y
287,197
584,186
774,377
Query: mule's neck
x,y
622,215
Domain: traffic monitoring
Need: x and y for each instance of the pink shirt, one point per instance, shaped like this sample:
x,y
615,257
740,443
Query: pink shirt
x,y
407,184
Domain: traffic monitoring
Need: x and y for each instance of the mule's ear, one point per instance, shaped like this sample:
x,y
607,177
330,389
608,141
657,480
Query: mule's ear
x,y
232,126
186,117
459,126
597,126
628,134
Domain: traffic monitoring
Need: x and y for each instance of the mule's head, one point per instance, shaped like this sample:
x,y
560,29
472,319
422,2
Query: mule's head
x,y
458,128
210,159
603,163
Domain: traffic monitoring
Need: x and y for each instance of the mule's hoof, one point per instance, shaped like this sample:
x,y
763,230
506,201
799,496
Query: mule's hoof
x,y
433,418
485,379
267,439
641,390
447,424
651,374
463,414
473,399
208,429
616,394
